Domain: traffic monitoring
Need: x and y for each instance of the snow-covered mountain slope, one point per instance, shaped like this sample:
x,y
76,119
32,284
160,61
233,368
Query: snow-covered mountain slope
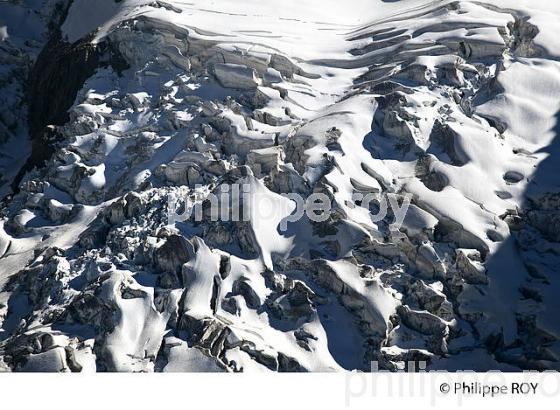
x,y
137,106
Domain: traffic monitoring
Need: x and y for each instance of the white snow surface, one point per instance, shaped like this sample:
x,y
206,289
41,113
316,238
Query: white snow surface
x,y
452,104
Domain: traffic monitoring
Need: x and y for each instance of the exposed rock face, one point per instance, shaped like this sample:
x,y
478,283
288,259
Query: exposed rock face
x,y
158,112
174,252
58,74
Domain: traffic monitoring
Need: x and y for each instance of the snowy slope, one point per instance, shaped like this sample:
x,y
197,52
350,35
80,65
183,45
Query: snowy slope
x,y
452,105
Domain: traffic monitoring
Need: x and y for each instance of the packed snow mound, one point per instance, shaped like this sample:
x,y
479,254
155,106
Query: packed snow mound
x,y
445,110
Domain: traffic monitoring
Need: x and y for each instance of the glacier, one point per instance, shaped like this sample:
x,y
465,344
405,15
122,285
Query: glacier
x,y
110,109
